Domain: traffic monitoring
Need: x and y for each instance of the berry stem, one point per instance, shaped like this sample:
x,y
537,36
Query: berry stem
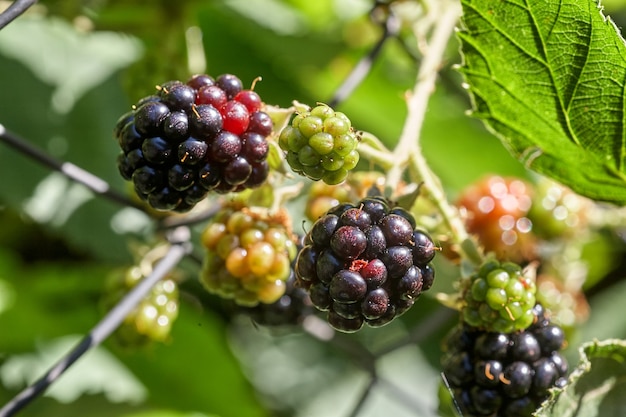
x,y
443,16
372,149
179,248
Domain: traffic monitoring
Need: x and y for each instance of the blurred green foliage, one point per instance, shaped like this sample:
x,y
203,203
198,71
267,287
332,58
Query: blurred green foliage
x,y
69,69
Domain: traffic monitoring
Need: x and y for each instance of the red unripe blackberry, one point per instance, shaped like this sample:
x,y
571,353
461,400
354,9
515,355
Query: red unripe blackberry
x,y
496,211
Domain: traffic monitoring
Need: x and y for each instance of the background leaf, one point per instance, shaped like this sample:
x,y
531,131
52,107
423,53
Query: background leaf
x,y
596,386
548,78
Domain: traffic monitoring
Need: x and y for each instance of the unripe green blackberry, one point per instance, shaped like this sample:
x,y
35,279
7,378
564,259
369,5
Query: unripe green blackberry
x,y
499,298
248,255
557,212
321,145
153,318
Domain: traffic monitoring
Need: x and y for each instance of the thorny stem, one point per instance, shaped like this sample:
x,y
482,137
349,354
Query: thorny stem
x,y
408,152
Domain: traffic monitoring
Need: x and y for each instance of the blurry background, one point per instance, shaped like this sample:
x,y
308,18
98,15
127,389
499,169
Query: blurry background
x,y
69,69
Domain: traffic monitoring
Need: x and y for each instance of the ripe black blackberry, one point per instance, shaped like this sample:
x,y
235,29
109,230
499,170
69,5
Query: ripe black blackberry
x,y
504,374
365,263
191,138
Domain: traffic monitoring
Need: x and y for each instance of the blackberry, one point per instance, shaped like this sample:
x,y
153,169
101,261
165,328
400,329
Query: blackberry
x,y
496,210
321,145
153,318
504,374
189,139
498,297
248,255
363,264
557,212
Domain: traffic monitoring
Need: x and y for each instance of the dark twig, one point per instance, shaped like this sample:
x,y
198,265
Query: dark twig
x,y
391,27
107,325
14,10
73,172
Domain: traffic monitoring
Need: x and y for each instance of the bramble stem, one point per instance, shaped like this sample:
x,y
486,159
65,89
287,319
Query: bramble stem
x,y
14,11
179,248
408,153
73,172
391,27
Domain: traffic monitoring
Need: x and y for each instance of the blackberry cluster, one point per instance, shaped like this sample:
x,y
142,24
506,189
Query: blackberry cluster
x,y
248,255
153,318
191,138
365,263
504,374
499,298
321,145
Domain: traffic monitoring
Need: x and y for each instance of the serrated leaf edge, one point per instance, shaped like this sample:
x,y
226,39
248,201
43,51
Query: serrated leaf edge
x,y
586,352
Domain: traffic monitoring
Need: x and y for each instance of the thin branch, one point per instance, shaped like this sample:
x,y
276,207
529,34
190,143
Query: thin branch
x,y
391,27
445,17
172,222
409,399
14,10
422,331
107,325
73,172
363,398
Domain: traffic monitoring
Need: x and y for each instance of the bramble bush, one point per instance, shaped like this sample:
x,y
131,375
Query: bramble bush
x,y
303,208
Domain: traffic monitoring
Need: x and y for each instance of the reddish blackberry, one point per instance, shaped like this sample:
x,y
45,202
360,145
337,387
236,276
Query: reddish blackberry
x,y
321,145
248,255
364,263
496,211
192,138
504,374
153,318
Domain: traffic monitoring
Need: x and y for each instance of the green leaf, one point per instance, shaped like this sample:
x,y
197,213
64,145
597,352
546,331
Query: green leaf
x,y
596,386
548,78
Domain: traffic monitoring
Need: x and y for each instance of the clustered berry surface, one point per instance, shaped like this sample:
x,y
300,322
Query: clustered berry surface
x,y
320,145
248,255
499,297
365,263
191,138
504,374
153,318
